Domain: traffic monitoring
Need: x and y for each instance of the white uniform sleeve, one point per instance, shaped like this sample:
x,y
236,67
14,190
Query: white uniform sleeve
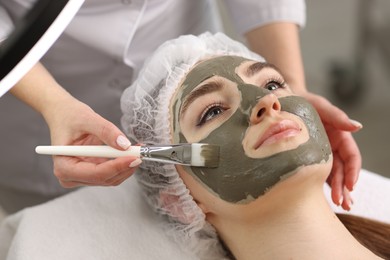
x,y
6,24
249,14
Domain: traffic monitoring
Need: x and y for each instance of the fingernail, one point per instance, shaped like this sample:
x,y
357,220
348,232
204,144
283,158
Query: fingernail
x,y
135,163
340,201
123,142
356,123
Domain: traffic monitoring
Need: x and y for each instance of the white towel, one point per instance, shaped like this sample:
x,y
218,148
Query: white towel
x,y
90,223
115,223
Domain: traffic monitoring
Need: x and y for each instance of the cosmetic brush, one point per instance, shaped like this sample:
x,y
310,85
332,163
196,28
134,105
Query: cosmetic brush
x,y
196,154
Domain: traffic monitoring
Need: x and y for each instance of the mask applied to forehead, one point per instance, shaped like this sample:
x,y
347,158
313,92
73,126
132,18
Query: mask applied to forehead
x,y
239,178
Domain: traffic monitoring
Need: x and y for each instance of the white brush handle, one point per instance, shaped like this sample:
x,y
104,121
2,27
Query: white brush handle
x,y
87,150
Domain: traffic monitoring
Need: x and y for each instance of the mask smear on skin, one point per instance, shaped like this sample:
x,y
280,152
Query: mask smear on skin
x,y
239,178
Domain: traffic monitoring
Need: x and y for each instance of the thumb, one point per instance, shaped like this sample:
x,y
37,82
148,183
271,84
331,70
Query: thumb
x,y
333,115
340,120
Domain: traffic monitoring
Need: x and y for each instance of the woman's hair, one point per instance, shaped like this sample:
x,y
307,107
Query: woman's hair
x,y
372,234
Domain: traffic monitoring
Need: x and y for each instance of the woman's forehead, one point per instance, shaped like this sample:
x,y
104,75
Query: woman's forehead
x,y
224,66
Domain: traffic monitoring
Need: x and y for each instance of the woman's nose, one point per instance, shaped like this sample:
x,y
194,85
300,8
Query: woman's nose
x,y
265,106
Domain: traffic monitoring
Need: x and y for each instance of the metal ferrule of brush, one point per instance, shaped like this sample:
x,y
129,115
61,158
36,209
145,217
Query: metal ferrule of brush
x,y
177,154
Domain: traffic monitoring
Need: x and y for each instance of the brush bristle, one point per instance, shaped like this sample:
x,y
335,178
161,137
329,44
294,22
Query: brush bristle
x,y
205,155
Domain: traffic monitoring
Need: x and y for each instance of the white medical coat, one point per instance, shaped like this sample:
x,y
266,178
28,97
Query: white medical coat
x,y
96,58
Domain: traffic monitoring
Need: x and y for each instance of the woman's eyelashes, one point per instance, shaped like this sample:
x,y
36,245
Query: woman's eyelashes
x,y
273,84
211,112
216,109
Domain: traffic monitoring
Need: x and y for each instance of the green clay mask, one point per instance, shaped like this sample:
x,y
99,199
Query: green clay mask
x,y
239,178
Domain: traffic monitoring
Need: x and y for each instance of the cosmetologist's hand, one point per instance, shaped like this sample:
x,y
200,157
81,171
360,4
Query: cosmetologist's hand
x,y
346,155
71,122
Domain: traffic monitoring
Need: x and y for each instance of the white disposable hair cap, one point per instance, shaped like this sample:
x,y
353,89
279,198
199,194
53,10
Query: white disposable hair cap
x,y
146,119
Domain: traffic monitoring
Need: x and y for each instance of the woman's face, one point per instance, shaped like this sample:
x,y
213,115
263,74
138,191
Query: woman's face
x,y
264,132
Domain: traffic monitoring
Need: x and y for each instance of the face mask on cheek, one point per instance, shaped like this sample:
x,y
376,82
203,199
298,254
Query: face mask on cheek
x,y
241,179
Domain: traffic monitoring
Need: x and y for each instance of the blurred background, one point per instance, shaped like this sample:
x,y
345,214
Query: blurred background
x,y
346,52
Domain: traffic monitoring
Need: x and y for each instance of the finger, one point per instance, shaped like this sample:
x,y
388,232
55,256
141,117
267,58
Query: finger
x,y
337,180
330,179
344,144
72,184
108,133
70,169
115,181
75,184
332,115
350,155
347,199
94,160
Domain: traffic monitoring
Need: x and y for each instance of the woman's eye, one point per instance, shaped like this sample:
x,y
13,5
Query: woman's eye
x,y
274,85
211,113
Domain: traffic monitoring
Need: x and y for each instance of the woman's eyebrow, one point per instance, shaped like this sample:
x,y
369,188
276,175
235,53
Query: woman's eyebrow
x,y
200,91
256,68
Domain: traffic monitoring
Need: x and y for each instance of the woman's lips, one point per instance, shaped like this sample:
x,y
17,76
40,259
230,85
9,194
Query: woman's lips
x,y
277,131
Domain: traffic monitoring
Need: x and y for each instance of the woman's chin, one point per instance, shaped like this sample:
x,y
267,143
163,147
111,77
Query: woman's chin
x,y
305,176
315,173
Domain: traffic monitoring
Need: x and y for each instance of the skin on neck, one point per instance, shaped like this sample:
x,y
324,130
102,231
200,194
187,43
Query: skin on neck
x,y
291,221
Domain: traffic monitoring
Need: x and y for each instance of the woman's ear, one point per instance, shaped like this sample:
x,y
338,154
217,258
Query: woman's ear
x,y
202,207
171,204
